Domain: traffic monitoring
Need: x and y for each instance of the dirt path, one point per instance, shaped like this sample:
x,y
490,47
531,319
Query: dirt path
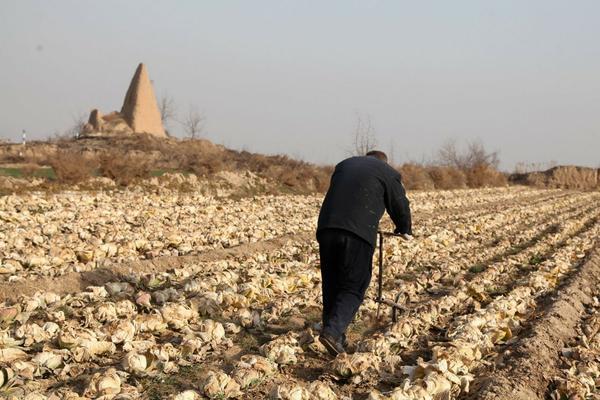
x,y
525,368
77,281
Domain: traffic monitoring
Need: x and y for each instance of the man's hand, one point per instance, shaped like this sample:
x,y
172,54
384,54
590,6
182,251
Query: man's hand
x,y
405,236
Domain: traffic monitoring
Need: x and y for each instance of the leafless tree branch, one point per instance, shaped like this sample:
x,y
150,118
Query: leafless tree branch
x,y
167,108
363,136
474,156
79,121
193,123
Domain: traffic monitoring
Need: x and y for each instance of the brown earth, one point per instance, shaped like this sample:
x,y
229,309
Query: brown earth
x,y
525,368
198,157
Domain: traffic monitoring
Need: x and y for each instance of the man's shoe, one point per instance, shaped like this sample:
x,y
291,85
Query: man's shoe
x,y
333,346
345,341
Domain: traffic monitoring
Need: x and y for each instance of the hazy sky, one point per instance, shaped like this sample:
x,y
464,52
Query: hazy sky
x,y
289,76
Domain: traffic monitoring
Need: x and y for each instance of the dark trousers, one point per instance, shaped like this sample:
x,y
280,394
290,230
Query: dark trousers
x,y
346,262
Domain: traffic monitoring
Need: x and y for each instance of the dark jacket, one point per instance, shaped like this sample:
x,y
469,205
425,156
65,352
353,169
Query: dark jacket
x,y
361,189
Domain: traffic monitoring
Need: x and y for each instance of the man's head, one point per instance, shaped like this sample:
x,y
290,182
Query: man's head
x,y
380,155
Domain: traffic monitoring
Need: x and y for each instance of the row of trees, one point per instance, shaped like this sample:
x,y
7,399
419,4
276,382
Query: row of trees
x,y
473,155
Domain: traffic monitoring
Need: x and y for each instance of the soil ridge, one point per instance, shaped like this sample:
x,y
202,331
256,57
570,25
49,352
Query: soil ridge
x,y
530,363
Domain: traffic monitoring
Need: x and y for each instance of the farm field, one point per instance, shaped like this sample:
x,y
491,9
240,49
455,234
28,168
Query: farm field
x,y
141,295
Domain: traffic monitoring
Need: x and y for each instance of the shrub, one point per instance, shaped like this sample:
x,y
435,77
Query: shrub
x,y
473,156
536,179
203,158
571,177
71,166
124,168
197,157
485,176
447,177
477,164
416,177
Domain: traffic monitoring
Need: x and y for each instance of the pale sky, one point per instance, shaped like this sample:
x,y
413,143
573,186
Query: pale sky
x,y
289,77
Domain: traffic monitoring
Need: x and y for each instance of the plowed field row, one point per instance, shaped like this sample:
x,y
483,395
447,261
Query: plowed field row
x,y
247,327
50,235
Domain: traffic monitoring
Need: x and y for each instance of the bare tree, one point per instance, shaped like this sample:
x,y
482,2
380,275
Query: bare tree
x,y
79,121
193,123
474,156
392,152
363,135
448,154
477,156
167,108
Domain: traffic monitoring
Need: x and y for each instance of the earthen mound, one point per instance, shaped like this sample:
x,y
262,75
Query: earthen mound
x,y
139,113
561,177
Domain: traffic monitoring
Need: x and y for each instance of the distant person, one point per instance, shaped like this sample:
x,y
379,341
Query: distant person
x,y
361,189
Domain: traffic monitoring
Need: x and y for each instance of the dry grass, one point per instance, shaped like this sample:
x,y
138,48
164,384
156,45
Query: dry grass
x,y
447,178
416,177
570,177
127,159
205,159
196,156
71,166
485,176
419,177
124,168
563,177
130,158
537,179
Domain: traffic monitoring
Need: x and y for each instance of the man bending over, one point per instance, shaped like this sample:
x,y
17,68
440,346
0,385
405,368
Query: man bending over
x,y
361,189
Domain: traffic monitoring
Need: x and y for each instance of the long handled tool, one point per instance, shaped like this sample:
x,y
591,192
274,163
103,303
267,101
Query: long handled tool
x,y
380,300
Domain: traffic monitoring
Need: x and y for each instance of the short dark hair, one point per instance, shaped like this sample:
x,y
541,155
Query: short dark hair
x,y
380,155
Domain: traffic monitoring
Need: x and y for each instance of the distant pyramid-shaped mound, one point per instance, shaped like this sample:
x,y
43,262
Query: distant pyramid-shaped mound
x,y
140,108
139,114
